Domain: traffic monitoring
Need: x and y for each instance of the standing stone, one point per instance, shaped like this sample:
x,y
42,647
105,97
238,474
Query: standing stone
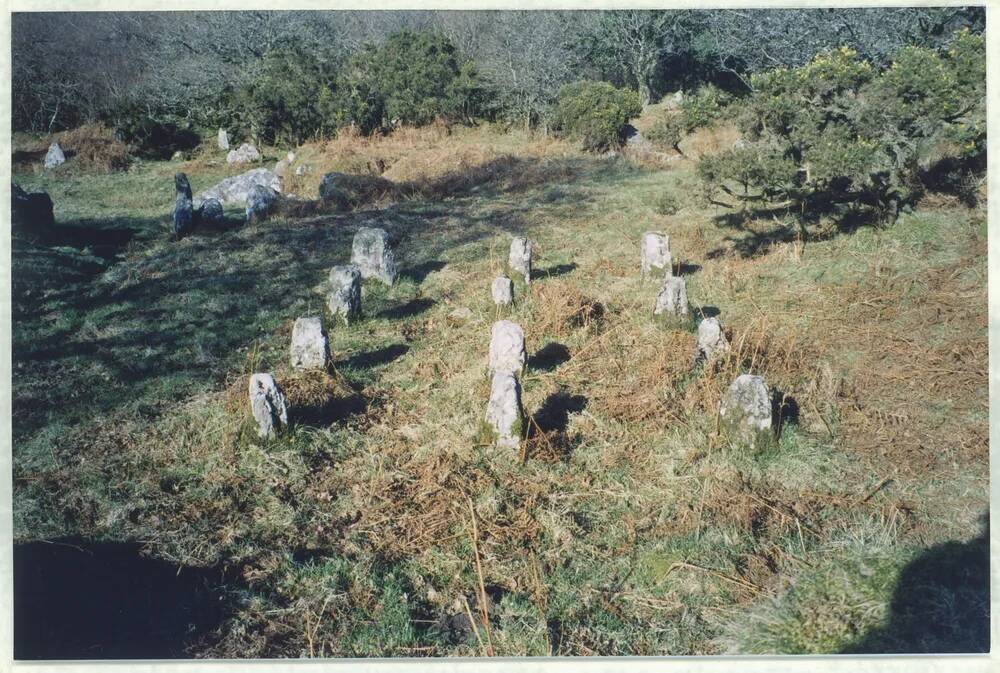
x,y
504,413
503,291
223,139
54,157
209,212
746,412
672,302
373,255
290,157
507,352
246,154
344,299
519,259
310,349
267,403
711,339
655,253
183,208
260,201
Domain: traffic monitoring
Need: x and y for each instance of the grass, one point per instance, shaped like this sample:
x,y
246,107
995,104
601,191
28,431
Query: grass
x,y
630,528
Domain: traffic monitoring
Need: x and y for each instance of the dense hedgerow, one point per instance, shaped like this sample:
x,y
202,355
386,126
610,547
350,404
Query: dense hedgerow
x,y
595,113
836,131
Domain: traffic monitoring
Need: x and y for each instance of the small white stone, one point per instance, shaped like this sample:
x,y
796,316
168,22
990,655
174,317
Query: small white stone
x,y
504,412
267,404
344,298
711,339
672,300
373,255
223,139
54,157
507,352
655,253
503,291
310,349
519,259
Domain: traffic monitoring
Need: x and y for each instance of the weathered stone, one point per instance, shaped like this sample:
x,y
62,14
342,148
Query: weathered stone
x,y
30,213
344,298
507,352
373,254
655,253
503,291
282,166
711,339
503,413
672,301
460,315
260,201
290,157
54,157
310,349
209,212
183,208
179,155
267,404
237,188
223,139
519,259
301,169
746,412
246,154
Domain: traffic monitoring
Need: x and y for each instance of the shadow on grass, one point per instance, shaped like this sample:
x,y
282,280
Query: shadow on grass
x,y
408,309
420,272
941,603
550,356
557,270
80,600
382,356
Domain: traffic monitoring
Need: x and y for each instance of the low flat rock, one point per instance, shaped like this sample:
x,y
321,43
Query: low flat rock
x,y
237,188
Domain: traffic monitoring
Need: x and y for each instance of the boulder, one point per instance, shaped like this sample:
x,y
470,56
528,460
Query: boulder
x,y
504,413
655,253
745,412
344,299
246,154
507,351
237,188
711,340
519,259
183,206
54,157
260,202
373,255
209,212
267,404
31,213
672,302
503,291
223,139
310,349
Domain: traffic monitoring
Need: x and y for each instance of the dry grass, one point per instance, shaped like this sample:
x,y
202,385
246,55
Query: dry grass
x,y
91,147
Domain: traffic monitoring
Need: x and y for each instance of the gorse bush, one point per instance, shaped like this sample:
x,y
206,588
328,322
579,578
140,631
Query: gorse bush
x,y
703,108
595,113
667,131
836,131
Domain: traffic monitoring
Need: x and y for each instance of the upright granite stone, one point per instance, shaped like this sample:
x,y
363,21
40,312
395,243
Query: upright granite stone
x,y
672,301
209,212
373,255
519,259
260,201
54,157
655,254
344,299
507,351
711,340
310,348
246,154
746,412
223,139
504,413
183,208
267,404
31,213
237,188
503,291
